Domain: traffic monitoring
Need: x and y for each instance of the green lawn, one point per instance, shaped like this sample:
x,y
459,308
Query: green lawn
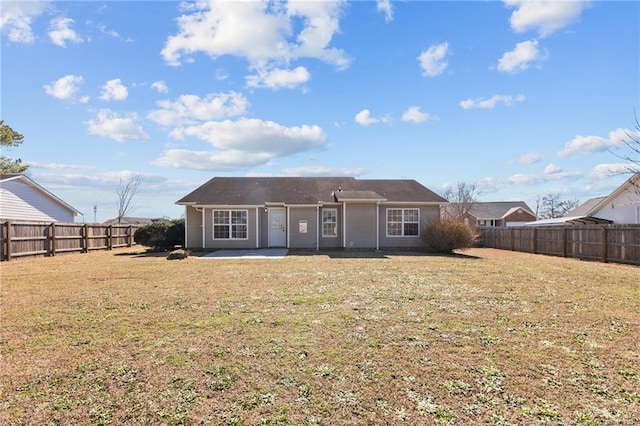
x,y
488,337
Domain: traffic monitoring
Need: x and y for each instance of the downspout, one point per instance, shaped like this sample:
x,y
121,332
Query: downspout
x,y
318,225
204,216
257,227
288,226
186,226
344,225
378,226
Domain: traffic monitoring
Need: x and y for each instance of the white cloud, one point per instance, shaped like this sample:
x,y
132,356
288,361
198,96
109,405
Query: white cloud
x,y
241,144
188,109
433,60
523,179
114,90
604,171
529,158
111,125
60,32
160,86
261,32
552,168
588,144
58,166
385,7
520,57
550,173
323,171
210,160
256,136
64,87
545,16
279,78
364,118
492,102
16,18
415,115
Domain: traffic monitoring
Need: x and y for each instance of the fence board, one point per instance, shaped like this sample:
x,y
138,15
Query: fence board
x,y
19,239
606,243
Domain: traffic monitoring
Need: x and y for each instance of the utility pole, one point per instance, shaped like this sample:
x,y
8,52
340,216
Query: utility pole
x,y
95,210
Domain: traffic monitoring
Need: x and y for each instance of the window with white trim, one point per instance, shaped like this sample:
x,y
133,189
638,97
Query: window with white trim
x,y
230,224
329,222
403,222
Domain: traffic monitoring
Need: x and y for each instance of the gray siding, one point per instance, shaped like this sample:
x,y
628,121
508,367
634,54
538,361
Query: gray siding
x,y
193,228
19,201
303,240
248,243
428,214
360,227
331,242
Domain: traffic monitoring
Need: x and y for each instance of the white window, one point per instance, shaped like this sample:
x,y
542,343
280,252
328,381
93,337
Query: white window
x,y
403,222
329,222
230,224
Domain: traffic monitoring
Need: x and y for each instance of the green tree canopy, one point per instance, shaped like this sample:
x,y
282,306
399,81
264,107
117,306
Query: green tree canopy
x,y
9,138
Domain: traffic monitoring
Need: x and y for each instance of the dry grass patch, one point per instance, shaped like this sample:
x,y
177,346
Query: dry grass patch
x,y
492,337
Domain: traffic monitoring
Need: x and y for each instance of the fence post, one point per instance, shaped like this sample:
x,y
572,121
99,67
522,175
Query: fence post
x,y
130,236
8,239
535,240
604,243
512,237
85,238
109,237
564,241
52,239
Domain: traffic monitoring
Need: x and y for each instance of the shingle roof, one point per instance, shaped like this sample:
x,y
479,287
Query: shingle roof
x,y
303,190
584,208
496,209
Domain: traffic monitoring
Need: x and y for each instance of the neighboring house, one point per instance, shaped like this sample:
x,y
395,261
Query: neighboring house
x,y
496,213
23,199
307,212
621,207
128,220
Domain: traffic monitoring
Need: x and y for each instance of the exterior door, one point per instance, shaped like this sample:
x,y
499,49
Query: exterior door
x,y
277,228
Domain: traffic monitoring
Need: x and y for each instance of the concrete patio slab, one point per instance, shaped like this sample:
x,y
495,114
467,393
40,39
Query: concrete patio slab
x,y
270,253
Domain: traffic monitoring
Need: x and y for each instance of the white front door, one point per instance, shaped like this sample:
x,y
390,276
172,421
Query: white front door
x,y
277,228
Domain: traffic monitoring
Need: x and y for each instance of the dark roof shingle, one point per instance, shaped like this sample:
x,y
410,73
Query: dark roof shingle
x,y
236,191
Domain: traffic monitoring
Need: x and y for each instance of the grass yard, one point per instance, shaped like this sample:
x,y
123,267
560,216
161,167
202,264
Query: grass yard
x,y
489,337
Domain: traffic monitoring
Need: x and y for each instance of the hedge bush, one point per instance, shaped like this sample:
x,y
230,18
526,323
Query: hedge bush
x,y
445,236
165,235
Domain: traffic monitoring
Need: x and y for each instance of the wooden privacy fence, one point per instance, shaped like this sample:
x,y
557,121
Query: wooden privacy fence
x,y
18,239
606,243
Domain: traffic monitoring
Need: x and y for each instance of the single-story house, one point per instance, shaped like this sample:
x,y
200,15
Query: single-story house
x,y
308,212
496,213
621,207
22,199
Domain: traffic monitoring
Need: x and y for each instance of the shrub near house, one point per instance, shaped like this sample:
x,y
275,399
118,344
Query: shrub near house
x,y
164,235
447,235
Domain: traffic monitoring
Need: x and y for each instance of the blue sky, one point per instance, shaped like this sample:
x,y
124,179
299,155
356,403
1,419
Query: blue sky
x,y
521,98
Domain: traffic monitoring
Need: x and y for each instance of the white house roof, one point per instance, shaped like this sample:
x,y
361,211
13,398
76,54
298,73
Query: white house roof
x,y
629,183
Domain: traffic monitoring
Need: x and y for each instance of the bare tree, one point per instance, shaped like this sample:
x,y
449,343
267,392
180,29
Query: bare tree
x,y
126,192
462,199
632,155
552,205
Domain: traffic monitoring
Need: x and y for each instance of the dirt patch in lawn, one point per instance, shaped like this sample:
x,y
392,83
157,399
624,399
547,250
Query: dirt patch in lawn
x,y
490,337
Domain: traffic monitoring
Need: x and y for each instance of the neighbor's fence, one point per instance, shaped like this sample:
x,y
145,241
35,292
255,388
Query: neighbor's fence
x,y
606,243
18,239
